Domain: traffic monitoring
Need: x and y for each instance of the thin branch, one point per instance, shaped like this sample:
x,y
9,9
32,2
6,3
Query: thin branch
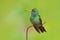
x,y
27,32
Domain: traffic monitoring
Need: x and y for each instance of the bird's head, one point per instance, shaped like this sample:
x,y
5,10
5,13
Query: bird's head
x,y
33,12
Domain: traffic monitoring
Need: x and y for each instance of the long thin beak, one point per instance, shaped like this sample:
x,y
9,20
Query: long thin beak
x,y
28,10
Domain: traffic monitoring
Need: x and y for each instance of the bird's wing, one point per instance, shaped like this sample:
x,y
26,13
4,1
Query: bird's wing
x,y
41,27
40,20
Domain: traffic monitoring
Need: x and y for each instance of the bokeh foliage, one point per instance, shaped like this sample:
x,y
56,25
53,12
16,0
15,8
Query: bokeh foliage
x,y
14,19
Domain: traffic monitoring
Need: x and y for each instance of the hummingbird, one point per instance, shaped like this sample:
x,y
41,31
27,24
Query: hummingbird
x,y
36,20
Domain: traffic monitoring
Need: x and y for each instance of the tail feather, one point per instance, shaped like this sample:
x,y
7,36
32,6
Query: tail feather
x,y
42,29
39,28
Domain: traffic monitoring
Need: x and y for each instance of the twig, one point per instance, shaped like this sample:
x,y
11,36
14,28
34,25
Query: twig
x,y
27,32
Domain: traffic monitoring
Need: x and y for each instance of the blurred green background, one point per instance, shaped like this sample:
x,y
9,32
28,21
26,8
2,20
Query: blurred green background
x,y
14,19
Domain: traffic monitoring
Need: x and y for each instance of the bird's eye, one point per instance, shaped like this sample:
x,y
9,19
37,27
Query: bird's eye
x,y
33,10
